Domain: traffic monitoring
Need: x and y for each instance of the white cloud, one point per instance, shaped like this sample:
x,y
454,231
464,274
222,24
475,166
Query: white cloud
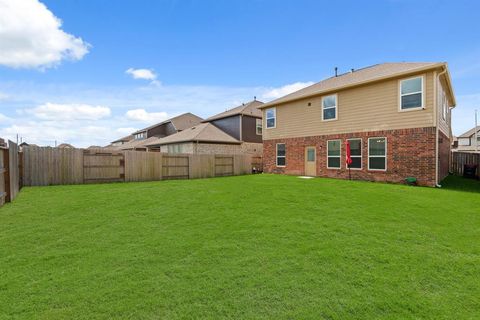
x,y
286,89
4,96
63,112
144,116
144,74
126,131
31,36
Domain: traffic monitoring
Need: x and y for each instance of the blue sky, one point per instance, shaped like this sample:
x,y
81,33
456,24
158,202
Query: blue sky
x,y
206,56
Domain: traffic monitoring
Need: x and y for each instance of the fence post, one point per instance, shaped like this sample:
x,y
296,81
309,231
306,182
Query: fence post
x,y
6,175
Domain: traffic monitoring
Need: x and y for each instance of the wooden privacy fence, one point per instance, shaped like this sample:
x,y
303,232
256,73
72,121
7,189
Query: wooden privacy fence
x,y
459,159
9,173
54,166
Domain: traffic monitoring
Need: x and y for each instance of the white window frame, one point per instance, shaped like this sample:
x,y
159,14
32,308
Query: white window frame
x,y
258,124
360,156
336,107
376,156
444,107
400,95
276,155
274,117
339,156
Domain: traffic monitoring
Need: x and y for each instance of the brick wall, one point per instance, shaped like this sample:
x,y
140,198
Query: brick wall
x,y
410,153
444,154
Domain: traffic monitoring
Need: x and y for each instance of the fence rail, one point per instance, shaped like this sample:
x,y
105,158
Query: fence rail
x,y
53,166
459,159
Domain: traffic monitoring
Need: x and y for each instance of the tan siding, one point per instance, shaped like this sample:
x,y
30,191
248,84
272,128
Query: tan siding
x,y
370,107
443,125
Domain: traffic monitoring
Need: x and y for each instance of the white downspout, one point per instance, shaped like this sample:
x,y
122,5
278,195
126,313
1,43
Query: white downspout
x,y
437,81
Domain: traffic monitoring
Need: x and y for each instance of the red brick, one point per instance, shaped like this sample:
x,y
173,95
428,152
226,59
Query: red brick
x,y
410,153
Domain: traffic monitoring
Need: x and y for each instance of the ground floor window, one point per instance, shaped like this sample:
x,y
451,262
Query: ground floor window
x,y
333,154
377,154
355,153
281,155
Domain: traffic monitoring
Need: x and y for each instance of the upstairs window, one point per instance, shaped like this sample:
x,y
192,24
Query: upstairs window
x,y
377,154
329,107
281,155
271,118
411,93
444,107
355,153
333,154
140,136
259,127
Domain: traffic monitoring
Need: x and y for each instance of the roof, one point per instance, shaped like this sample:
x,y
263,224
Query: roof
x,y
204,132
124,139
360,76
247,109
469,133
181,122
135,144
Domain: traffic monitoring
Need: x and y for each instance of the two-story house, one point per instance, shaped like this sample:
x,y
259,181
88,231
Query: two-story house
x,y
469,141
142,137
235,131
395,116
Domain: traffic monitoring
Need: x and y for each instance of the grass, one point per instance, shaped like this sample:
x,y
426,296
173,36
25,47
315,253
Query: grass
x,y
253,247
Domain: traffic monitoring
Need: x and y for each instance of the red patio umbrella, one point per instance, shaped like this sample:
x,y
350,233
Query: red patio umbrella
x,y
348,158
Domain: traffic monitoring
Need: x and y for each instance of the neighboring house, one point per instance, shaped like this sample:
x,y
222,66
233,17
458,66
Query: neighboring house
x,y
65,146
121,141
203,138
469,142
396,117
244,123
163,129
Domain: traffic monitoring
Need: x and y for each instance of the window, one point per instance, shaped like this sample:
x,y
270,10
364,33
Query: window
x,y
259,127
463,141
271,118
444,107
333,154
310,154
329,107
411,93
281,155
355,153
377,154
140,136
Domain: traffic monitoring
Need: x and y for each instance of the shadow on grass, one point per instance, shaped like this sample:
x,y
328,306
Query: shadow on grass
x,y
461,184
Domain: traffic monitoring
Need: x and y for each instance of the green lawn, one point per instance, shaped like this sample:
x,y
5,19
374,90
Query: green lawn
x,y
251,247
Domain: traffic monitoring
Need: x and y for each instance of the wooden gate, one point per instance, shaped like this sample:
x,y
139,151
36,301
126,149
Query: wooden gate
x,y
103,167
175,167
223,166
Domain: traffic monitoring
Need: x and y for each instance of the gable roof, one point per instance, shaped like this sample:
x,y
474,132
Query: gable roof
x,y
469,133
181,122
361,76
248,109
204,132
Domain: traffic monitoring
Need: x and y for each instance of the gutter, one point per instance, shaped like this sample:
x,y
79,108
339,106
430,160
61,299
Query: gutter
x,y
435,108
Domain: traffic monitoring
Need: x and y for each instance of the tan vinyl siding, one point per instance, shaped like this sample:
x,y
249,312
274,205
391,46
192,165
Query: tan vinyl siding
x,y
443,125
370,107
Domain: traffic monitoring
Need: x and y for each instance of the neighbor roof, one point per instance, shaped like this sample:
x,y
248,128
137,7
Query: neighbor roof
x,y
124,139
204,132
360,76
247,109
180,122
469,133
134,144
